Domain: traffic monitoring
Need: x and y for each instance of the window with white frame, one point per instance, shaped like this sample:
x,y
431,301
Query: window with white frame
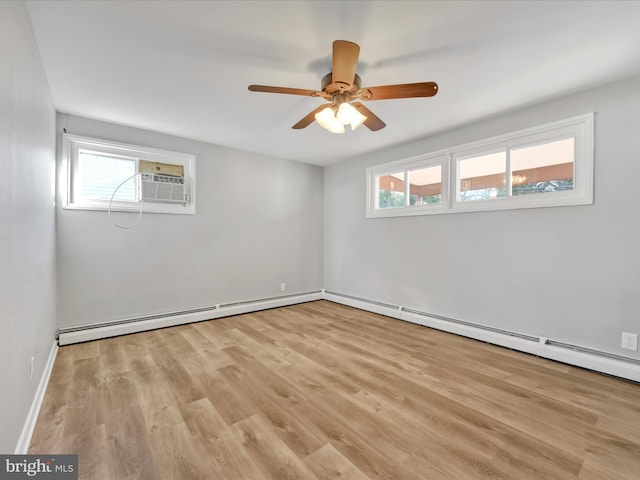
x,y
411,186
103,175
545,166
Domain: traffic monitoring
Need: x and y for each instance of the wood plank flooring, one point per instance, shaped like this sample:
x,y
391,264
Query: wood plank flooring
x,y
324,391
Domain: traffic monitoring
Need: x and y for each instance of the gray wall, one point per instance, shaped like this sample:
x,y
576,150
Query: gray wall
x,y
567,273
27,262
259,222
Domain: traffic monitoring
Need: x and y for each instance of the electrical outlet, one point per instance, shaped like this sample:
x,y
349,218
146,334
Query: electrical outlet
x,y
283,287
32,364
630,341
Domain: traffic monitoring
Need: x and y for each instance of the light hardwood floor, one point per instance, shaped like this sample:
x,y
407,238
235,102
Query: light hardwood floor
x,y
324,391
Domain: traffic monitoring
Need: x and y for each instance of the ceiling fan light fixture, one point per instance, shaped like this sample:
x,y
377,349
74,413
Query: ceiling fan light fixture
x,y
347,114
357,119
336,127
326,119
358,122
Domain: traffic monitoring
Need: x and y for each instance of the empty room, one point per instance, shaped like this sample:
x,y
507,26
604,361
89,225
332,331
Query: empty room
x,y
360,240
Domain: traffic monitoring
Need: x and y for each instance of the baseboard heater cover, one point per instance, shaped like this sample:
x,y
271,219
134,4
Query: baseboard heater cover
x,y
95,331
358,302
604,362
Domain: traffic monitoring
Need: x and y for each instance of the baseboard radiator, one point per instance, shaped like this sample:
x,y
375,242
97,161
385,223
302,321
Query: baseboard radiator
x,y
604,362
124,326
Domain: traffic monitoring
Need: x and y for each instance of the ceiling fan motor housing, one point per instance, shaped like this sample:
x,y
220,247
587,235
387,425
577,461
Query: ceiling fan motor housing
x,y
327,85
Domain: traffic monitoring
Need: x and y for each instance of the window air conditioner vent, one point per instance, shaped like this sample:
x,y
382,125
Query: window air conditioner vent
x,y
162,188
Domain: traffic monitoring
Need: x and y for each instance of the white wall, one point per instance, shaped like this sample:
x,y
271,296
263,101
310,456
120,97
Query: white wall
x,y
27,262
567,273
259,223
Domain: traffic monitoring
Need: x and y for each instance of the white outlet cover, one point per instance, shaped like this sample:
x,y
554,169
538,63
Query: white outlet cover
x,y
630,341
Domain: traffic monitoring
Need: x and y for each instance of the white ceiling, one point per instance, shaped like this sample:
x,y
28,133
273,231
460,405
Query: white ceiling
x,y
183,67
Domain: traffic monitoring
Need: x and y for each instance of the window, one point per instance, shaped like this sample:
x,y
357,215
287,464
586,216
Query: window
x,y
100,175
410,186
425,187
391,190
482,177
543,168
550,165
100,172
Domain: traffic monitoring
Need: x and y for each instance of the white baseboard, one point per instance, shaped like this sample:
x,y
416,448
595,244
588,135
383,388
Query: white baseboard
x,y
171,319
477,333
30,423
600,362
604,363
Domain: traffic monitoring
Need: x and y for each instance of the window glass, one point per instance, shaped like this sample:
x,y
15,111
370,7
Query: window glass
x,y
543,168
391,190
482,177
425,185
100,175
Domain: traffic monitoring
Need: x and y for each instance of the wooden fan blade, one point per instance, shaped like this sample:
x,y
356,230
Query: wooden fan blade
x,y
290,91
309,119
405,90
372,122
345,61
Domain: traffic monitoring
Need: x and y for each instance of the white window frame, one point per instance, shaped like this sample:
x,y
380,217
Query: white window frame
x,y
414,163
580,128
71,146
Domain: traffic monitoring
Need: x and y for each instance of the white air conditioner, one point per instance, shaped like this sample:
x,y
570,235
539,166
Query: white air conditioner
x,y
154,187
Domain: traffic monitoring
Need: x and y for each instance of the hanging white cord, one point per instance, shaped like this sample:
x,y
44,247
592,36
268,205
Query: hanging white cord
x,y
111,201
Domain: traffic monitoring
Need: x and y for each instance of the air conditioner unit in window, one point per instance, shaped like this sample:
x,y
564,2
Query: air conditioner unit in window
x,y
154,187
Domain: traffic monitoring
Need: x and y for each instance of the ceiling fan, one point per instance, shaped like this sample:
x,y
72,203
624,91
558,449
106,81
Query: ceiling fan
x,y
342,87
